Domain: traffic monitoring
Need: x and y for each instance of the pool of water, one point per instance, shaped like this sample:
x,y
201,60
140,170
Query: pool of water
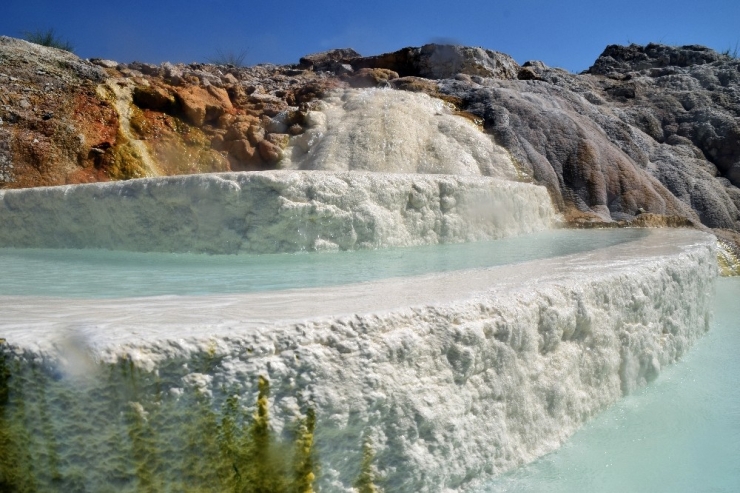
x,y
679,434
106,274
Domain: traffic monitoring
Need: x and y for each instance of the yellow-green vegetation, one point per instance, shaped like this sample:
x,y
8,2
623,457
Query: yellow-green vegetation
x,y
727,259
121,429
126,162
16,462
305,464
367,478
257,460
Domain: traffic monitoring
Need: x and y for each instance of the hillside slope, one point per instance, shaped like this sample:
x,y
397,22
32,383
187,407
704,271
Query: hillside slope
x,y
647,129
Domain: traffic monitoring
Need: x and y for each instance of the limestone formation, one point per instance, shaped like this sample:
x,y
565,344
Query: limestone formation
x,y
435,61
647,128
421,383
273,211
327,59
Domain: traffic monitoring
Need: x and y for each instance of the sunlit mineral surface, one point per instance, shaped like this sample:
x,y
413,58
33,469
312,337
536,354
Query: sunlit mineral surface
x,y
421,382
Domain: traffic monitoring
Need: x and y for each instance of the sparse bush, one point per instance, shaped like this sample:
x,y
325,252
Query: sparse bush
x,y
227,57
732,52
48,38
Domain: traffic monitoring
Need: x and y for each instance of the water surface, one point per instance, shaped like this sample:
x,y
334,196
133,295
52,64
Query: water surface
x,y
680,434
107,274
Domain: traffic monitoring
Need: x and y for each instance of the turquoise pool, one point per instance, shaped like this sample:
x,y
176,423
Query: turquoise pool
x,y
679,434
113,274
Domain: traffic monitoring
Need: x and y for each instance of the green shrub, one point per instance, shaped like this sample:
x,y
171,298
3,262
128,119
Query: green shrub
x,y
48,38
732,52
227,57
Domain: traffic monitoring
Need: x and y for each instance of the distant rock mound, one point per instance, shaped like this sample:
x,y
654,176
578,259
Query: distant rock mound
x,y
618,59
434,61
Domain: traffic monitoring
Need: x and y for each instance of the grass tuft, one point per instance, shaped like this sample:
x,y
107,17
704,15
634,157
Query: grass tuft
x,y
228,57
732,52
48,38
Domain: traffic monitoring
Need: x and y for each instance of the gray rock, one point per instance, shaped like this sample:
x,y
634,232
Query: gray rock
x,y
103,63
145,68
445,61
172,73
622,59
321,61
652,128
434,61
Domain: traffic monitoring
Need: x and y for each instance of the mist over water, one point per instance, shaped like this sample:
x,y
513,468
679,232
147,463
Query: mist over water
x,y
679,434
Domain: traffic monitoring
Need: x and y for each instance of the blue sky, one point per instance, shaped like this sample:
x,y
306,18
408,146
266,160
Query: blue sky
x,y
564,33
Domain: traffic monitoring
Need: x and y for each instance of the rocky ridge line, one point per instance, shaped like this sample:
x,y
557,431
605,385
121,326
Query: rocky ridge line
x,y
651,128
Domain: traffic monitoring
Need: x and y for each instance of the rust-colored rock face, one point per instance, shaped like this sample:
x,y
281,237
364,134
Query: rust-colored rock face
x,y
51,117
202,104
66,120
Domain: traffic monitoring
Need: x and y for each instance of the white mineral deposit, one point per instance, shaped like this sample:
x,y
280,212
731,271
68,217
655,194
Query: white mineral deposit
x,y
435,374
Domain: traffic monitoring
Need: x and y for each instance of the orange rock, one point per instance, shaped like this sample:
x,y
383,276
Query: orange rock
x,y
417,84
272,109
371,77
242,150
255,134
217,142
270,152
247,117
225,120
153,97
237,131
221,95
315,90
203,105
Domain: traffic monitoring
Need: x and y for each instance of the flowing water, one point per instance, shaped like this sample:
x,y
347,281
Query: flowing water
x,y
110,274
679,434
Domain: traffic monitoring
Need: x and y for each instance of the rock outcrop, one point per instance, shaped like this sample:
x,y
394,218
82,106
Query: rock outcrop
x,y
651,128
434,61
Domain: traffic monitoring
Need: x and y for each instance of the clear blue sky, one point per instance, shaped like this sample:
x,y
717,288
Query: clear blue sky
x,y
564,33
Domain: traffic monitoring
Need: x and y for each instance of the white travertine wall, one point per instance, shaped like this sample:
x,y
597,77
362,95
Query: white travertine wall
x,y
394,132
272,211
453,376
